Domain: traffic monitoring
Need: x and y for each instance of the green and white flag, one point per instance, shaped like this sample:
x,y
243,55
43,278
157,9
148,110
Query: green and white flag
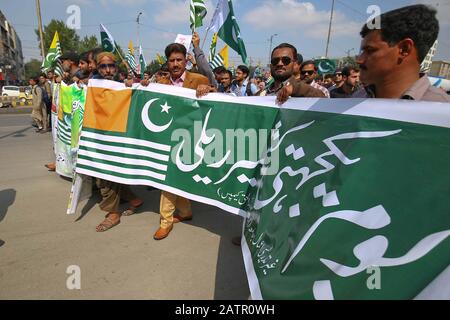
x,y
325,66
197,13
343,199
142,62
108,43
224,23
131,60
216,62
212,49
70,119
52,61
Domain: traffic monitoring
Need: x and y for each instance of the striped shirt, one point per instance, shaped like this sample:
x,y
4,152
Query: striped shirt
x,y
325,91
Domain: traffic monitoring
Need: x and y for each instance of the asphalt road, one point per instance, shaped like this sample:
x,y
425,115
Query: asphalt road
x,y
39,242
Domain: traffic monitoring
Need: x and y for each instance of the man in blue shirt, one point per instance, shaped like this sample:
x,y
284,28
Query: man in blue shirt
x,y
241,86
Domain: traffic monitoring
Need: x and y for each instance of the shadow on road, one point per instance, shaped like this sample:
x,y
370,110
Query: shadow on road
x,y
16,134
2,242
231,280
7,198
93,200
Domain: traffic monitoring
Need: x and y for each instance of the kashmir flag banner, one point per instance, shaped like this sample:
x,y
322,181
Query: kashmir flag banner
x,y
70,120
343,199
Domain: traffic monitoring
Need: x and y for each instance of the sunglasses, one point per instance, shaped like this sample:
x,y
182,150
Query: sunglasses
x,y
308,72
104,66
284,60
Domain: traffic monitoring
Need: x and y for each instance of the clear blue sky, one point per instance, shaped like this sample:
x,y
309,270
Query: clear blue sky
x,y
302,23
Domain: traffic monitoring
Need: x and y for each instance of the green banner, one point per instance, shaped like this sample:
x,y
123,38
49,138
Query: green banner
x,y
70,119
343,199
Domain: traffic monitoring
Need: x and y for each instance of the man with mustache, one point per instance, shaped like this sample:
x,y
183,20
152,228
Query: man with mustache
x,y
180,77
113,192
282,69
390,57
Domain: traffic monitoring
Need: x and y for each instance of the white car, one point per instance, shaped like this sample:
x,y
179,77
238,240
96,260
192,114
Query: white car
x,y
10,91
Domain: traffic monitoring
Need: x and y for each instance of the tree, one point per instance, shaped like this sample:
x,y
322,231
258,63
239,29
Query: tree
x,y
32,68
153,67
88,43
68,38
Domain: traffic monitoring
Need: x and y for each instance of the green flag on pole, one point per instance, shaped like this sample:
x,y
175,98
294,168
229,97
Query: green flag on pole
x,y
197,13
108,43
325,66
52,61
142,62
224,23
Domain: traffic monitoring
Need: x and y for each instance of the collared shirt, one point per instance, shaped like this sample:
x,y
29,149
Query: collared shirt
x,y
180,81
423,90
241,91
420,90
325,91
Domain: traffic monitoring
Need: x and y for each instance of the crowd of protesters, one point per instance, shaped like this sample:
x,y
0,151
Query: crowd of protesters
x,y
388,67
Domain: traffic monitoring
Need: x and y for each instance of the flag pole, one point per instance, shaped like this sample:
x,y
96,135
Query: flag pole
x,y
204,39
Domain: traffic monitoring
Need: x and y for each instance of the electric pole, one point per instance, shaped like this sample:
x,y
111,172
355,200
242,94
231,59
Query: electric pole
x,y
329,29
270,50
41,35
137,20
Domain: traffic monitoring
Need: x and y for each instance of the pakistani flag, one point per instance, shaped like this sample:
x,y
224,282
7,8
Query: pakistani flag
x,y
108,43
142,62
224,23
52,61
348,200
197,13
131,60
325,66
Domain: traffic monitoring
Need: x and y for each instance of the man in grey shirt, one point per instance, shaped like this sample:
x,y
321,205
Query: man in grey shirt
x,y
390,57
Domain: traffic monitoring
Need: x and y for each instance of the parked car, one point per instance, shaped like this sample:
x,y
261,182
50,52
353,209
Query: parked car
x,y
22,93
10,91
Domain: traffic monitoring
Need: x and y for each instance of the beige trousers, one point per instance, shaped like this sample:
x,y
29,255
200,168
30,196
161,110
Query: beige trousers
x,y
168,204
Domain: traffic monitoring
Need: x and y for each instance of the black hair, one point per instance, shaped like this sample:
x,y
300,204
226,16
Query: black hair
x,y
94,53
220,69
347,71
85,56
164,68
175,47
227,71
308,62
244,69
287,45
43,75
417,22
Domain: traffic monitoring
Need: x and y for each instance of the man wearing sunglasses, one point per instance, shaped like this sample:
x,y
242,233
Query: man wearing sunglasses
x,y
308,73
282,70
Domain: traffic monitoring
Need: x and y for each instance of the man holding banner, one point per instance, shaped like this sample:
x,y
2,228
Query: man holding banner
x,y
180,77
113,192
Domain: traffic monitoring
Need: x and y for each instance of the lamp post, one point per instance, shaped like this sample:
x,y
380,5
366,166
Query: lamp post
x,y
137,21
270,50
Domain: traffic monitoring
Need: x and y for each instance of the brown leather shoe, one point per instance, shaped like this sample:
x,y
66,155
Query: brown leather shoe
x,y
162,233
51,166
177,218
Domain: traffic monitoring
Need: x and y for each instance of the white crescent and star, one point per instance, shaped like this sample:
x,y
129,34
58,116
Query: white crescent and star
x,y
146,119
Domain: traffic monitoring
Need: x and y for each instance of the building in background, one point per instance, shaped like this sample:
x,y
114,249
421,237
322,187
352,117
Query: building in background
x,y
12,69
440,69
426,64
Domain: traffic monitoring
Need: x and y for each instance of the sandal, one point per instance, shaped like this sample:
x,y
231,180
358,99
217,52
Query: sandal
x,y
106,225
131,210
